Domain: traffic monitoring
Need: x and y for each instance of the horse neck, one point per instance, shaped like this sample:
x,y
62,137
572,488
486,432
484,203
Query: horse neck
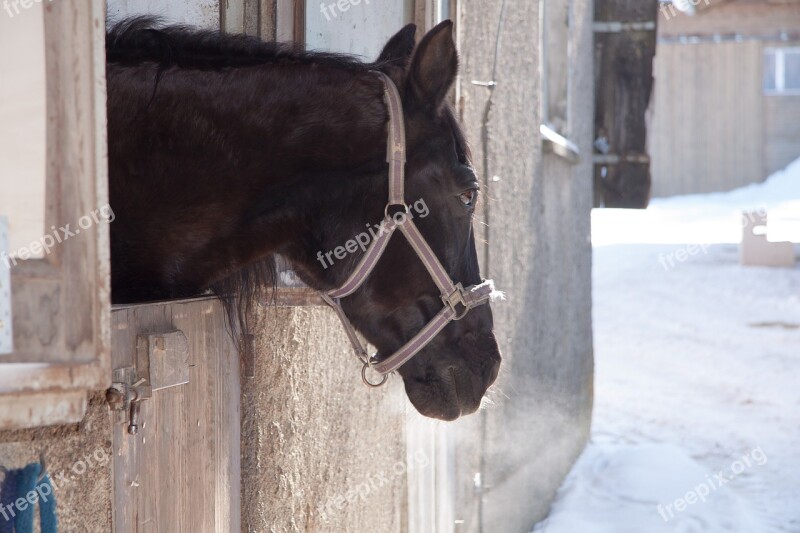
x,y
325,151
321,120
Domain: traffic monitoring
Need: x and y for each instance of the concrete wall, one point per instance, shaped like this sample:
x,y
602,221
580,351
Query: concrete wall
x,y
320,451
200,13
537,210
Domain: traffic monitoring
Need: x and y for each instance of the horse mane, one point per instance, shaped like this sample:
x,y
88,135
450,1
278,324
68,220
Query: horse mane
x,y
145,39
239,291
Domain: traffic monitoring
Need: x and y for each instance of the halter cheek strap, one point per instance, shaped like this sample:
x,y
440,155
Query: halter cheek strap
x,y
457,300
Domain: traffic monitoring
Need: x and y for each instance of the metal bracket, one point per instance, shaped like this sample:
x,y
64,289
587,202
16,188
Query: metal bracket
x,y
614,159
559,144
619,27
161,361
6,332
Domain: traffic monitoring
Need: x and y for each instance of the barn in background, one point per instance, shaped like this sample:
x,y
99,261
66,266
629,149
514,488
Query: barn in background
x,y
726,102
194,437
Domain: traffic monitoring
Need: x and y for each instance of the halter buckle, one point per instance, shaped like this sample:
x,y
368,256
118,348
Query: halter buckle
x,y
458,297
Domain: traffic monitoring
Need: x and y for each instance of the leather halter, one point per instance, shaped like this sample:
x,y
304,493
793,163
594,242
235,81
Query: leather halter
x,y
457,300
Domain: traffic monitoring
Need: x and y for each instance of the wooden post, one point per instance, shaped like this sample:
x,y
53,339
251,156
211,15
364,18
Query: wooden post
x,y
625,44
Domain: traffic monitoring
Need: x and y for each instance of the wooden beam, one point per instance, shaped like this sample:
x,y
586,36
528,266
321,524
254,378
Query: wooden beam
x,y
624,80
42,409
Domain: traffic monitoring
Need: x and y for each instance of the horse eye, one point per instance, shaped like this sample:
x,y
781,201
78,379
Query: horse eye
x,y
468,197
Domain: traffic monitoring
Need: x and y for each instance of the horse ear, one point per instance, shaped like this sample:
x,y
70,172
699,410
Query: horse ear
x,y
398,49
434,66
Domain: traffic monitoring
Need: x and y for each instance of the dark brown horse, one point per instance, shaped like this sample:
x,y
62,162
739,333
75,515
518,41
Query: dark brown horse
x,y
225,151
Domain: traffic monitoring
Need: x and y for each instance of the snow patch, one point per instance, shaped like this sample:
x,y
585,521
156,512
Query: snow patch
x,y
695,366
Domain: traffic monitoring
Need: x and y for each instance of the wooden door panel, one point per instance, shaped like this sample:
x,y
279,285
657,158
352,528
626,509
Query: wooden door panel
x,y
181,471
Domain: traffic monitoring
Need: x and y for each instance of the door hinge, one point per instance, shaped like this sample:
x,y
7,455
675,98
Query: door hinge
x,y
161,361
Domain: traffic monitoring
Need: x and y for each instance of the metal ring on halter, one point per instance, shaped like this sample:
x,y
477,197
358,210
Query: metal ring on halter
x,y
386,209
367,382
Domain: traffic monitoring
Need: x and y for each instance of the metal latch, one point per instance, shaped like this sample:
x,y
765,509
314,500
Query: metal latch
x,y
162,361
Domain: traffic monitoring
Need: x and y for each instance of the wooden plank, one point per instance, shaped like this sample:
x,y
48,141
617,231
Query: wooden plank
x,y
424,16
182,471
743,18
63,306
662,113
675,76
168,459
657,142
755,84
781,132
31,377
686,155
267,22
623,88
709,129
163,359
290,21
42,409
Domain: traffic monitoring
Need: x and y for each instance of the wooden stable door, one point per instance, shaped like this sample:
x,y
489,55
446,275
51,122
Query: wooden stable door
x,y
176,460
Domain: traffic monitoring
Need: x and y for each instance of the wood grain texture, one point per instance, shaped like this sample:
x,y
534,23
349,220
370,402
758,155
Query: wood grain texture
x,y
623,78
181,472
62,303
744,17
42,409
707,131
781,131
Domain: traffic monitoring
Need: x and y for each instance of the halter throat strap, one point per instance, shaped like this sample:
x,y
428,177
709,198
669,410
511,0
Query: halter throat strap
x,y
457,301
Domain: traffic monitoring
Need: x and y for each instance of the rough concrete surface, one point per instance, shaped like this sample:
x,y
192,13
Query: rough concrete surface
x,y
537,208
79,453
320,451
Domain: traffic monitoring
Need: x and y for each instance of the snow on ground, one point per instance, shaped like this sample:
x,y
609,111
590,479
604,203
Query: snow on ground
x,y
697,392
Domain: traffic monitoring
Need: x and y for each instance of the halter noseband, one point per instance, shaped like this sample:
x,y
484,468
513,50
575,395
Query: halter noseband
x,y
457,300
